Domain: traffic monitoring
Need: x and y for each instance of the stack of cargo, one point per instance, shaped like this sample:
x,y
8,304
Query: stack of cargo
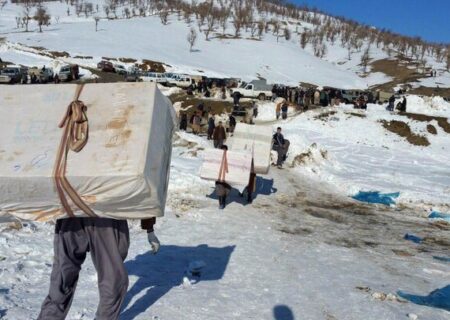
x,y
254,139
110,157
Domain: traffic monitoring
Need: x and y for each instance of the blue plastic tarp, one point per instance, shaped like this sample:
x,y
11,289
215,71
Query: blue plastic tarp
x,y
412,238
376,197
439,215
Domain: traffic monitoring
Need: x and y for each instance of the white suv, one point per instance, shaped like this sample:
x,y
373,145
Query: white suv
x,y
153,77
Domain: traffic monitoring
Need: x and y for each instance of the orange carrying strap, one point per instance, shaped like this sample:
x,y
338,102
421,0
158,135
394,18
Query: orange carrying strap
x,y
75,137
223,167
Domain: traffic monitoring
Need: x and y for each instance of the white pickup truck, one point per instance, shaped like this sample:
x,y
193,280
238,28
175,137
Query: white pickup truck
x,y
255,89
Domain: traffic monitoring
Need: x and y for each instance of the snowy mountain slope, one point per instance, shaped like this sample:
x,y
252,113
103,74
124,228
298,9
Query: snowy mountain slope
x,y
278,60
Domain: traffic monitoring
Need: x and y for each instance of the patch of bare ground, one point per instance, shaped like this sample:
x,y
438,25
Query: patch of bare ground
x,y
431,129
83,57
325,115
429,91
359,115
343,222
59,54
154,66
403,130
442,121
226,36
127,60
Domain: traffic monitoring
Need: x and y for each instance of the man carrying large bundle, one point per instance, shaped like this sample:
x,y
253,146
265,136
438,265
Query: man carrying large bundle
x,y
108,162
280,145
223,189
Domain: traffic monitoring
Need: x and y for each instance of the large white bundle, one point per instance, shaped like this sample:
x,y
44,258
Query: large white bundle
x,y
235,166
255,139
122,172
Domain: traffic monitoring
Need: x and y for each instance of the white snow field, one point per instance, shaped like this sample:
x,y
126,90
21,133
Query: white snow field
x,y
280,61
268,260
302,250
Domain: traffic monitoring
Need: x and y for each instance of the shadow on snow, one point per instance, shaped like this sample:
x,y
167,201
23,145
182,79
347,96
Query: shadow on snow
x,y
282,312
263,187
158,274
439,298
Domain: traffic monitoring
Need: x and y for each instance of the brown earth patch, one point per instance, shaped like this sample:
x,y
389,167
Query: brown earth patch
x,y
429,91
325,115
83,57
398,70
127,60
431,129
442,121
360,115
402,253
154,66
59,54
403,130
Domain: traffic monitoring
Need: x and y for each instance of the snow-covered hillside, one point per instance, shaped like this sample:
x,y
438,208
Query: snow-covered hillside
x,y
275,58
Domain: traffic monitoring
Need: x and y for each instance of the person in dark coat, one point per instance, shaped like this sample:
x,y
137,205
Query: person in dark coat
x,y
232,121
222,188
219,136
190,90
278,144
255,109
211,126
224,93
183,121
284,110
236,97
390,106
402,107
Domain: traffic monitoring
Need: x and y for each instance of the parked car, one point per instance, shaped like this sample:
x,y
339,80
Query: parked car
x,y
69,72
171,76
120,69
350,96
43,75
154,77
255,89
182,81
12,74
106,66
133,75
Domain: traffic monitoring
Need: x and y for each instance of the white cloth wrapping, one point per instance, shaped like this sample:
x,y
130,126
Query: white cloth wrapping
x,y
121,173
239,165
256,140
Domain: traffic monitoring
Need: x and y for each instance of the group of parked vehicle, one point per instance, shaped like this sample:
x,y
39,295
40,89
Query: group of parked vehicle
x,y
256,89
18,74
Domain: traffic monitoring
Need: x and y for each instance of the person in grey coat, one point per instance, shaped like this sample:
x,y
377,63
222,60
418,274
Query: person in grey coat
x,y
107,240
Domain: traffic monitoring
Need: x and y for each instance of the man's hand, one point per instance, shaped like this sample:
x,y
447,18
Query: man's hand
x,y
154,242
